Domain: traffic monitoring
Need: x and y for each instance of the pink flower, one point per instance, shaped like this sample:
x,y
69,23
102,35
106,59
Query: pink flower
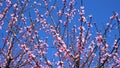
x,y
47,13
60,63
39,4
45,2
59,12
82,19
82,7
1,15
45,44
112,17
24,47
57,54
119,20
9,1
48,62
64,1
65,23
15,5
81,28
118,61
0,27
35,2
91,47
89,25
82,12
31,55
99,39
53,7
21,30
1,4
102,60
72,2
60,21
1,22
90,16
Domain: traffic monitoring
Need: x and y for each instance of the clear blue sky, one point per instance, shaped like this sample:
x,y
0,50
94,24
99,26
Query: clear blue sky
x,y
102,9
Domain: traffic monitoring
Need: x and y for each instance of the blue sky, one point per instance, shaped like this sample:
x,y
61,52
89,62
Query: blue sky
x,y
102,9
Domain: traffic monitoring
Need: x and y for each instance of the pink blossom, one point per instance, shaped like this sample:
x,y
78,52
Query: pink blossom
x,y
91,47
60,21
119,20
45,2
112,17
24,36
90,16
82,19
45,44
1,4
115,42
1,22
31,55
81,28
93,54
82,7
118,61
24,47
64,1
65,23
57,54
35,2
89,25
39,4
72,2
1,15
9,1
47,13
60,62
99,39
82,12
12,15
15,5
0,27
102,60
21,30
107,54
59,13
53,7
48,62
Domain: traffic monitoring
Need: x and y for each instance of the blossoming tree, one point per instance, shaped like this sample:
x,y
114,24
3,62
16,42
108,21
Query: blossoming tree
x,y
55,34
